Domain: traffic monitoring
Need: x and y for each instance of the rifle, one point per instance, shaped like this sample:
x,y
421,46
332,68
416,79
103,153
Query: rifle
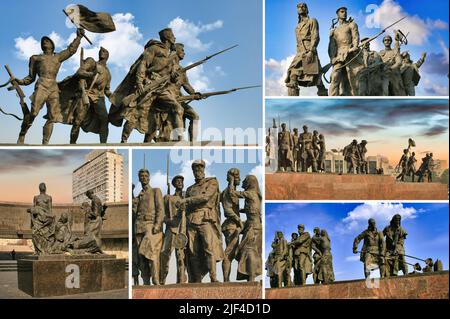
x,y
167,176
16,86
130,99
208,94
328,66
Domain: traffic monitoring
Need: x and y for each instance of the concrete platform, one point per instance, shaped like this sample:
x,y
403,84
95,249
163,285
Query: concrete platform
x,y
230,290
433,285
317,186
182,143
60,275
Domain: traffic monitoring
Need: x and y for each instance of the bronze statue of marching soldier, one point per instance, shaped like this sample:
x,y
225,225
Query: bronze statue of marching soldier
x,y
355,68
149,98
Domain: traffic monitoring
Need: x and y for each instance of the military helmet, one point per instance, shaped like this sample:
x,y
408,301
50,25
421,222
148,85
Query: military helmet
x,y
198,163
48,39
175,178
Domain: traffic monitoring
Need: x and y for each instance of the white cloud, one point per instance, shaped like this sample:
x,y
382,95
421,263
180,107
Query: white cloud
x,y
198,79
26,47
188,32
276,74
356,220
444,50
219,71
57,39
419,29
258,171
122,44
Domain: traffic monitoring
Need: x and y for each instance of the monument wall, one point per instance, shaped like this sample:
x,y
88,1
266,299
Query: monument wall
x,y
303,186
419,286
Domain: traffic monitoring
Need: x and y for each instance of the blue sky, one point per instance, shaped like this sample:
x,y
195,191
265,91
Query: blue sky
x,y
203,28
426,22
386,124
218,162
425,223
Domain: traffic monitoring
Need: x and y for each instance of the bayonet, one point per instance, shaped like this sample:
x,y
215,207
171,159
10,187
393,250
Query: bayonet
x,y
208,94
130,99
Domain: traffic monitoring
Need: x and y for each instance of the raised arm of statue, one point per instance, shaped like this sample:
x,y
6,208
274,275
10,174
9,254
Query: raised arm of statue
x,y
72,48
421,60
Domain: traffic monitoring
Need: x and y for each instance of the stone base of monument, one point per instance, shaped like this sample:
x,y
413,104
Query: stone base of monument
x,y
317,186
180,143
59,275
229,290
433,285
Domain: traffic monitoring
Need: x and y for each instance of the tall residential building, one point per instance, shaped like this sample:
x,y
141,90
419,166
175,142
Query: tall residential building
x,y
102,172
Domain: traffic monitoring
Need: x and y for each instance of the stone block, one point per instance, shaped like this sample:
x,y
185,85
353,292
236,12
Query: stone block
x,y
229,290
45,276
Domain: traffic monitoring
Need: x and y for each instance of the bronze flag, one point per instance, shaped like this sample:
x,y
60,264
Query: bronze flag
x,y
97,22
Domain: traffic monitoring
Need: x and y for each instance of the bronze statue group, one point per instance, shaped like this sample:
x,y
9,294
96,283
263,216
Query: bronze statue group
x,y
356,69
149,98
51,236
305,255
306,152
189,224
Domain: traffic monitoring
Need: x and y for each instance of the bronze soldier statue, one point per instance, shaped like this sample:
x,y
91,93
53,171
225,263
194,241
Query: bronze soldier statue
x,y
149,236
42,222
281,261
155,63
302,256
372,78
296,151
181,81
315,244
403,165
93,116
46,66
363,167
395,237
410,72
285,145
322,151
305,69
393,62
203,225
91,240
175,230
352,156
249,252
325,272
373,250
232,226
411,166
344,41
307,150
134,246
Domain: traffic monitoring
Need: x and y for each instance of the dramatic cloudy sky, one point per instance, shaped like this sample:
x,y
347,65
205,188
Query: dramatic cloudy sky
x,y
425,223
21,171
386,124
203,28
427,24
218,162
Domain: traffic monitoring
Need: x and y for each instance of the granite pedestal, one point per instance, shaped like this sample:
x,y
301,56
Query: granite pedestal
x,y
59,275
228,290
